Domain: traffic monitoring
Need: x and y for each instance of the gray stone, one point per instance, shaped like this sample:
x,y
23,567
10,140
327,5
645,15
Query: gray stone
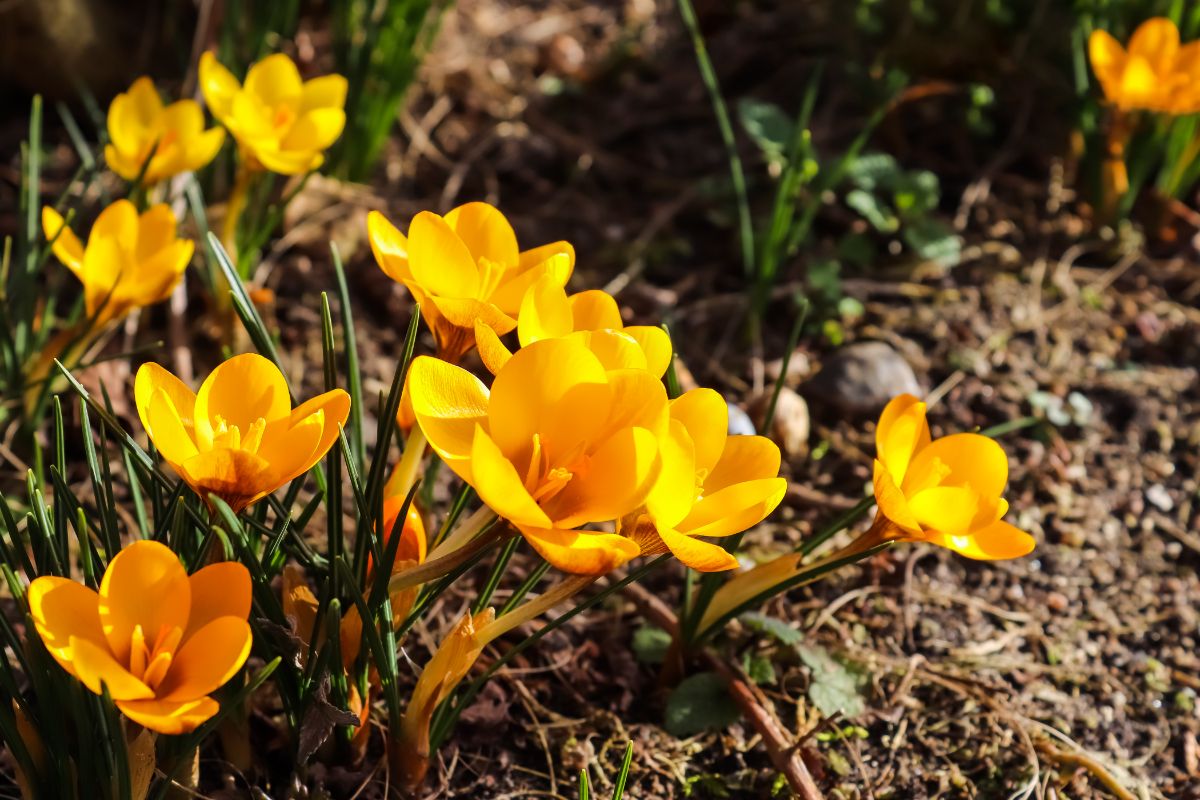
x,y
860,378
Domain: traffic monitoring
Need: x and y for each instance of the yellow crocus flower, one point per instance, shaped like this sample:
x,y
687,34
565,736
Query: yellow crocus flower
x,y
592,317
711,485
944,491
139,125
558,443
160,640
465,268
1156,73
238,437
453,659
130,261
281,123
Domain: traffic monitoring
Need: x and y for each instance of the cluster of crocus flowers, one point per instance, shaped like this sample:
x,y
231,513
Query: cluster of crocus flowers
x,y
160,641
1155,72
281,123
154,141
577,446
131,260
238,437
465,268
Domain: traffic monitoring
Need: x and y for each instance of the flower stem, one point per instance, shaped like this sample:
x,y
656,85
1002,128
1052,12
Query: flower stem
x,y
464,532
405,474
564,589
444,564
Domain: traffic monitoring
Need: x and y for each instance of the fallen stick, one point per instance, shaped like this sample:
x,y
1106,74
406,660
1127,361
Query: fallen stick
x,y
779,746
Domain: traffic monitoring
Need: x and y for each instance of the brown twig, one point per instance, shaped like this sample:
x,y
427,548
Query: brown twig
x,y
780,748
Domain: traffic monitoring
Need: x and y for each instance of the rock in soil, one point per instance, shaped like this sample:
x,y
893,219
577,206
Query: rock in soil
x,y
860,378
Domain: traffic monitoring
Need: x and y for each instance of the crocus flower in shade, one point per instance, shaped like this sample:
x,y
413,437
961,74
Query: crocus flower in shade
x,y
281,123
711,485
130,261
140,125
558,443
1156,73
944,491
409,753
160,640
592,317
238,437
465,268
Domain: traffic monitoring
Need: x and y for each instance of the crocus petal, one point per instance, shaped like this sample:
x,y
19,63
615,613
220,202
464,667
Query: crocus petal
x,y
674,493
951,509
540,380
218,590
734,508
744,458
274,81
218,84
440,261
143,570
164,425
96,668
891,501
901,432
292,450
485,232
315,130
1157,41
390,247
550,252
492,351
150,379
67,247
619,476
615,349
595,310
207,660
327,91
335,405
500,487
464,312
448,403
287,162
545,313
581,552
656,346
556,260
972,459
697,554
117,222
170,717
1108,61
63,610
705,414
241,390
156,230
639,400
999,540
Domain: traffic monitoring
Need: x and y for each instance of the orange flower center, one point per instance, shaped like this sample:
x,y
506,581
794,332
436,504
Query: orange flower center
x,y
284,117
544,480
150,660
230,437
